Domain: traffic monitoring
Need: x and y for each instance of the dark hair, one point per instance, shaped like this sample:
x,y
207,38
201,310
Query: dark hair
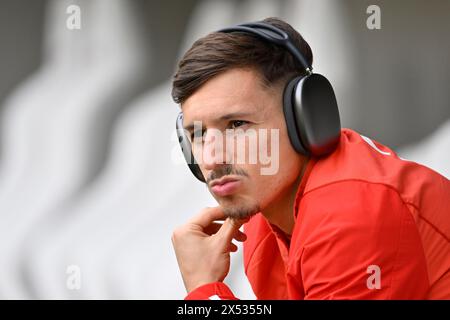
x,y
218,52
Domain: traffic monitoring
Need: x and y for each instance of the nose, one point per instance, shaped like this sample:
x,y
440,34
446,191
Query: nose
x,y
214,150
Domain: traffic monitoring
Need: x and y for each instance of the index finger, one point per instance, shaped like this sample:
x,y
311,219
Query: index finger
x,y
207,216
230,228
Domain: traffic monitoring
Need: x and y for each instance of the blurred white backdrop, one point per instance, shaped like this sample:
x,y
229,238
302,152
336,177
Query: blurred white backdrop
x,y
87,170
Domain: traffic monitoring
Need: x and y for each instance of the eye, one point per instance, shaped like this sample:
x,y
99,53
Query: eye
x,y
237,123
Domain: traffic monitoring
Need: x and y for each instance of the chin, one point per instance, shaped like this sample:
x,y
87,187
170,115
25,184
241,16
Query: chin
x,y
241,210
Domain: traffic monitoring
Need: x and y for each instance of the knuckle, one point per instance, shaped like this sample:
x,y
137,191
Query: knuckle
x,y
177,233
205,211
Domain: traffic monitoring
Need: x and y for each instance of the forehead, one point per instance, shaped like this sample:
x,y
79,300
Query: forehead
x,y
234,91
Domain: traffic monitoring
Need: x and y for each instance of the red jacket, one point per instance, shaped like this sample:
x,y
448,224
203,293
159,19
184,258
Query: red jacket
x,y
368,225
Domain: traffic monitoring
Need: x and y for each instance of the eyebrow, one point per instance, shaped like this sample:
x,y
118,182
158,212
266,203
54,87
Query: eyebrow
x,y
228,116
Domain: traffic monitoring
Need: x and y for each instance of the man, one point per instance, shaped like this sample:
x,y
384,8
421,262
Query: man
x,y
356,223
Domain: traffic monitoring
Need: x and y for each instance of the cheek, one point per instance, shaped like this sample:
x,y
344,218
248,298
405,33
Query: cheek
x,y
264,189
255,183
290,163
289,168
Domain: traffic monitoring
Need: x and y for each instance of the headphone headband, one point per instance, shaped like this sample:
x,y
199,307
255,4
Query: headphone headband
x,y
274,35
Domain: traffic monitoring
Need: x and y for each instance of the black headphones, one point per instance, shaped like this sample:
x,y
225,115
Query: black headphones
x,y
309,104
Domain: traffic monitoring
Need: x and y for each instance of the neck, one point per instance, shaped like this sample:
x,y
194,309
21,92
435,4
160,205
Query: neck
x,y
280,211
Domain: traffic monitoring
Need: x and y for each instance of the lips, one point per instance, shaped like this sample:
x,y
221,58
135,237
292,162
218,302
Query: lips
x,y
225,186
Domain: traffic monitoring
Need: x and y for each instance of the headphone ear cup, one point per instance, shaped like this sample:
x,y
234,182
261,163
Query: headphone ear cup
x,y
290,116
186,148
317,114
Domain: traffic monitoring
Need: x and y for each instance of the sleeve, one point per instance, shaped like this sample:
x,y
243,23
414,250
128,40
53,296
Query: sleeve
x,y
211,291
358,240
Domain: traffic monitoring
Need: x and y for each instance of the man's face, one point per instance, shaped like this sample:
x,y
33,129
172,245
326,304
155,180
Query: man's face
x,y
242,120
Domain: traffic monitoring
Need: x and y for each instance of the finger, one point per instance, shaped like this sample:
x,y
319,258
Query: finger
x,y
233,247
229,230
214,227
240,236
207,216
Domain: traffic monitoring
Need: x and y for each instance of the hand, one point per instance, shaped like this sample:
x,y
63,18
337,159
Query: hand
x,y
202,247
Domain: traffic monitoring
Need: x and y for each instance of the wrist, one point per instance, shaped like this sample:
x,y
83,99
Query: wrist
x,y
192,285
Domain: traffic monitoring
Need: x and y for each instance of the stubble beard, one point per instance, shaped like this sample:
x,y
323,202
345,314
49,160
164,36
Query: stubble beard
x,y
239,209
